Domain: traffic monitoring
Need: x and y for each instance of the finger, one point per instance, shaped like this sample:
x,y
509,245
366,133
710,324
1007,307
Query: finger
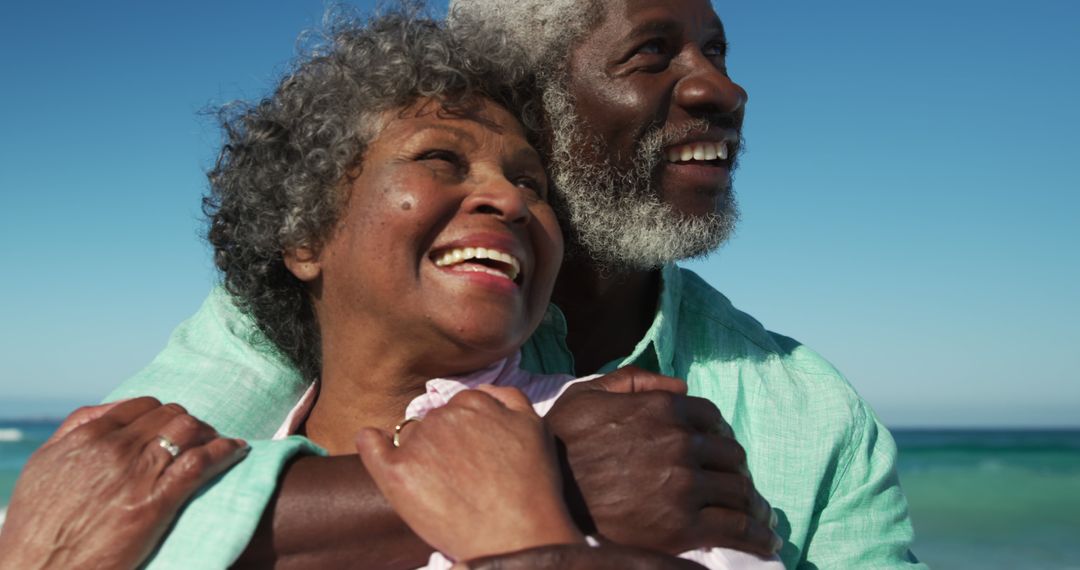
x,y
375,448
196,466
118,420
702,415
186,432
512,398
158,434
736,493
80,417
130,410
632,379
732,529
149,425
718,453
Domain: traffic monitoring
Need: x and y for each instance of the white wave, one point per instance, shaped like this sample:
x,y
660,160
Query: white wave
x,y
10,435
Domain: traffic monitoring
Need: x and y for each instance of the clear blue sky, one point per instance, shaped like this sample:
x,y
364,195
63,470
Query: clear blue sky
x,y
909,195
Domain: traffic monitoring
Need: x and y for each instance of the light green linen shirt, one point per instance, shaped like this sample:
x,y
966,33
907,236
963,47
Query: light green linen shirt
x,y
816,450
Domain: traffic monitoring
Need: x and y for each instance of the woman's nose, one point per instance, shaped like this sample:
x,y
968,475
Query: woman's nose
x,y
497,196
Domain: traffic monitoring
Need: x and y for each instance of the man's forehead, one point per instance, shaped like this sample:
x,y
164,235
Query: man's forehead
x,y
649,15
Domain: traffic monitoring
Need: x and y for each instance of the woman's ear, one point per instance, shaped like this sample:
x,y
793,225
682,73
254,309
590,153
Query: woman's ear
x,y
303,263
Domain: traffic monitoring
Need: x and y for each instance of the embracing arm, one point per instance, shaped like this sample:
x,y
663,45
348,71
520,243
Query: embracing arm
x,y
865,522
328,512
607,427
224,371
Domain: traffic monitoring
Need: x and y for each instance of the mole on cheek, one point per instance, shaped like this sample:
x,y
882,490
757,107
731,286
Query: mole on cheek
x,y
406,205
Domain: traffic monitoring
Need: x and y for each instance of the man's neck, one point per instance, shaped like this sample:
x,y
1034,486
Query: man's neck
x,y
606,314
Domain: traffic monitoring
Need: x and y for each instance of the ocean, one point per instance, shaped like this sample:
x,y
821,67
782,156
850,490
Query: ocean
x,y
980,499
993,499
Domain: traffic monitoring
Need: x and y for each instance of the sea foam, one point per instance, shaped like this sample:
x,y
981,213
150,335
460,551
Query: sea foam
x,y
10,435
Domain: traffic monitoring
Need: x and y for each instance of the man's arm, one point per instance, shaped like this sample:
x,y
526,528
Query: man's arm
x,y
619,437
223,370
865,522
328,513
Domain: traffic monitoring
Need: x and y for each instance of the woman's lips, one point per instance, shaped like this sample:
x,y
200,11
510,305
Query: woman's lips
x,y
480,259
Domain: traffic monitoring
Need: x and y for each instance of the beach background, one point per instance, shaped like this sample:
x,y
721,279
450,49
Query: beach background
x,y
908,193
980,499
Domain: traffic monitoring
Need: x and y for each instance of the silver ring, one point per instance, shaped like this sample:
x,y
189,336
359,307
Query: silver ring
x,y
401,426
167,444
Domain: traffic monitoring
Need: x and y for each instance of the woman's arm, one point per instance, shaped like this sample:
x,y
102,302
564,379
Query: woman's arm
x,y
105,487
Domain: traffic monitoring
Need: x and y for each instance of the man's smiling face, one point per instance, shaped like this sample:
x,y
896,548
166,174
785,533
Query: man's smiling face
x,y
646,128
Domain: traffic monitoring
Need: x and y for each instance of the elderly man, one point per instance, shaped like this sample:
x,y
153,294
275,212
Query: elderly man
x,y
644,125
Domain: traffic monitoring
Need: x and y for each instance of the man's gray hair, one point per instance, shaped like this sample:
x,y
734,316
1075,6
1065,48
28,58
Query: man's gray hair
x,y
545,30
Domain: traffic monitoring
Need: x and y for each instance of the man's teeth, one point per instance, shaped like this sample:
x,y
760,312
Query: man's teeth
x,y
698,151
463,254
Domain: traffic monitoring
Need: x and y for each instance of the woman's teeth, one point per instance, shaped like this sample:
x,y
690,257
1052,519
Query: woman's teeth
x,y
698,151
508,267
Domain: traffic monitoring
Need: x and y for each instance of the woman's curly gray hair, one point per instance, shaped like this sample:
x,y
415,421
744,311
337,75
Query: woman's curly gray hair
x,y
276,184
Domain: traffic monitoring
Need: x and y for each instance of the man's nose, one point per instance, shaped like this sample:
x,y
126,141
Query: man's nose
x,y
497,196
706,89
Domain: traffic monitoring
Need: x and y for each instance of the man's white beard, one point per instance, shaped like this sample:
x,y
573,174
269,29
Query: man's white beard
x,y
615,218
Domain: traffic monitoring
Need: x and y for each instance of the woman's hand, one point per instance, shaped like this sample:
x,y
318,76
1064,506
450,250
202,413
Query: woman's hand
x,y
476,477
104,488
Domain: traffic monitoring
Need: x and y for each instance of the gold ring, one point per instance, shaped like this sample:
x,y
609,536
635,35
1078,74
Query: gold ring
x,y
401,426
167,444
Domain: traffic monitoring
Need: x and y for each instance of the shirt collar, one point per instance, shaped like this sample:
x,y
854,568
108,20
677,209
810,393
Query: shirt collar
x,y
656,350
439,391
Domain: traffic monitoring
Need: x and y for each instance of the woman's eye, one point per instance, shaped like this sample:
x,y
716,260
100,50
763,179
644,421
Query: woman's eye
x,y
532,184
442,155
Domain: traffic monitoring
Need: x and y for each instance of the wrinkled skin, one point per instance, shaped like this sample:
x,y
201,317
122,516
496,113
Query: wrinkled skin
x,y
476,477
690,487
101,492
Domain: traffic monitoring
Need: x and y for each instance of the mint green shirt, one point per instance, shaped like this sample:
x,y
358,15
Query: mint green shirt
x,y
816,450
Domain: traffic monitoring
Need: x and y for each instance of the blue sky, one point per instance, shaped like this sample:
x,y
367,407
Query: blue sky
x,y
908,193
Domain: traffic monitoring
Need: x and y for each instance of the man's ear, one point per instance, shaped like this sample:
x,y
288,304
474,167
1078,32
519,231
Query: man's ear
x,y
303,263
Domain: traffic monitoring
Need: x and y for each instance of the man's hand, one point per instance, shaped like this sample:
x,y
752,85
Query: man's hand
x,y
649,466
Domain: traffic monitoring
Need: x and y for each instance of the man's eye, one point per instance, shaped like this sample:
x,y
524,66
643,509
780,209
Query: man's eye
x,y
715,50
656,46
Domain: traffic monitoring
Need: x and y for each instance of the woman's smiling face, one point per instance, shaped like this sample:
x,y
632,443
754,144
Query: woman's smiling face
x,y
446,242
